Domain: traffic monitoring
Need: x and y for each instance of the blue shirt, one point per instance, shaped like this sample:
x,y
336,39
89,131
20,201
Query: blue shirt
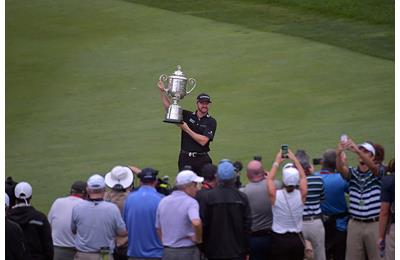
x,y
140,218
335,201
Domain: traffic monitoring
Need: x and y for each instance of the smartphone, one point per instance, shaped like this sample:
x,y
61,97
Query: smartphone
x,y
317,161
285,148
343,138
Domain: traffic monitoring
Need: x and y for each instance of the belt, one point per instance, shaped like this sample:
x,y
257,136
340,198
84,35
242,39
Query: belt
x,y
374,219
193,154
310,218
182,247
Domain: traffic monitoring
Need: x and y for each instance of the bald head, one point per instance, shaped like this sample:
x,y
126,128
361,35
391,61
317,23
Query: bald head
x,y
255,171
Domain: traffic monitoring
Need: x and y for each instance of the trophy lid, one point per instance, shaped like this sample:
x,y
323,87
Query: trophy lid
x,y
179,73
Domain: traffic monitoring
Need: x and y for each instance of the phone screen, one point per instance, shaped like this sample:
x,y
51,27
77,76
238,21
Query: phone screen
x,y
284,148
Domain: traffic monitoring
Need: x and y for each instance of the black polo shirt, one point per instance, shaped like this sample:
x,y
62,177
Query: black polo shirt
x,y
204,126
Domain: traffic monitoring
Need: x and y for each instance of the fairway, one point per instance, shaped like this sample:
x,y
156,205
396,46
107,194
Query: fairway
x,y
81,94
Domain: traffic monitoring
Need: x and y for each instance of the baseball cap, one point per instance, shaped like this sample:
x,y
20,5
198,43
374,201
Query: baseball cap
x,y
119,175
78,187
96,181
203,97
367,146
290,175
7,200
226,170
148,174
23,190
187,176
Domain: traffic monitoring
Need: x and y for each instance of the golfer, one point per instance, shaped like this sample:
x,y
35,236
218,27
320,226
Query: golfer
x,y
198,130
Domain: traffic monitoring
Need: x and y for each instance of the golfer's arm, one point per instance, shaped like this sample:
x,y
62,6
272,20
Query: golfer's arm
x,y
165,100
201,139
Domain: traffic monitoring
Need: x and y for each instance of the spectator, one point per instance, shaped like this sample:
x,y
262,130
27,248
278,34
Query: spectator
x,y
96,223
140,216
208,172
379,157
313,228
334,207
261,211
364,186
287,209
15,246
178,222
120,180
226,216
36,227
60,220
387,216
10,187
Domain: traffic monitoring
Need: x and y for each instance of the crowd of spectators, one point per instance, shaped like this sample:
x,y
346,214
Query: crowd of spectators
x,y
344,212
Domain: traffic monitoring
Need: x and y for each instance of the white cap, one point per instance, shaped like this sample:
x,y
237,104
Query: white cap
x,y
187,176
7,200
119,175
96,182
290,175
369,147
23,190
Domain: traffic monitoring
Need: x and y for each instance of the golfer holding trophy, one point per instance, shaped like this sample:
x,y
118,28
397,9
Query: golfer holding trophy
x,y
198,128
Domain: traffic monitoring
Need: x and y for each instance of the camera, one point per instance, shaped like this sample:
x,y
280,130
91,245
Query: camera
x,y
285,150
317,161
257,158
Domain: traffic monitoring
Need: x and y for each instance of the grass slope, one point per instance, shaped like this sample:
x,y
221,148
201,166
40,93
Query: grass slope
x,y
362,26
81,94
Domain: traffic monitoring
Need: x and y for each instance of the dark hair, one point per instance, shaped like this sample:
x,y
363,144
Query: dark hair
x,y
390,167
379,153
304,159
329,160
208,172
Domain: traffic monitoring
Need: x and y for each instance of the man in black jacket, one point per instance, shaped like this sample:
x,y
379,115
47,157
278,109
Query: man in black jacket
x,y
34,224
226,217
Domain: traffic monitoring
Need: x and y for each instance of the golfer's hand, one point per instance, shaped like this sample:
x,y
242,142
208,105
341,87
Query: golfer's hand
x,y
161,86
183,126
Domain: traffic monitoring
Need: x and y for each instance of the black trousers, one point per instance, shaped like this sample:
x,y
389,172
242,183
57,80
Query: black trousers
x,y
286,246
335,241
196,163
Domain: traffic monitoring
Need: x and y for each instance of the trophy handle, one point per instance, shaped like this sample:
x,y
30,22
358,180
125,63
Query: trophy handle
x,y
192,82
164,79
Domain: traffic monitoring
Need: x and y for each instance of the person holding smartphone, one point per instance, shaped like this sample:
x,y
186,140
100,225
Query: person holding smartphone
x,y
287,208
365,192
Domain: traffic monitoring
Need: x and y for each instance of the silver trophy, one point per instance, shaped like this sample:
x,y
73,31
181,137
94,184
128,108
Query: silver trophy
x,y
176,90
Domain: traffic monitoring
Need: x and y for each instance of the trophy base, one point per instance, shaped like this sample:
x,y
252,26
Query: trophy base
x,y
173,121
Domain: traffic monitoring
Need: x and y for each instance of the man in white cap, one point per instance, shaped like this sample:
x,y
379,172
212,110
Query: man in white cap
x,y
60,220
15,247
36,227
178,221
365,192
226,216
96,223
120,182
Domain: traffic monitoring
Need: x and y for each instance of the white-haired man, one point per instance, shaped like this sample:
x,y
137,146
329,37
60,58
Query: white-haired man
x,y
96,223
365,191
178,221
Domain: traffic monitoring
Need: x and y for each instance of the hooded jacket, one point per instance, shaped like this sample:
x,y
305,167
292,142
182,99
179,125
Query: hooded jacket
x,y
37,231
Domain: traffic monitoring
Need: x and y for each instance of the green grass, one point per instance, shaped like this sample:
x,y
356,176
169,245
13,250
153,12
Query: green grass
x,y
362,26
81,94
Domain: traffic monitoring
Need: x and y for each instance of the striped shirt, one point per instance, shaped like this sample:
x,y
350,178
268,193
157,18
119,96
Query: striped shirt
x,y
315,193
365,194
